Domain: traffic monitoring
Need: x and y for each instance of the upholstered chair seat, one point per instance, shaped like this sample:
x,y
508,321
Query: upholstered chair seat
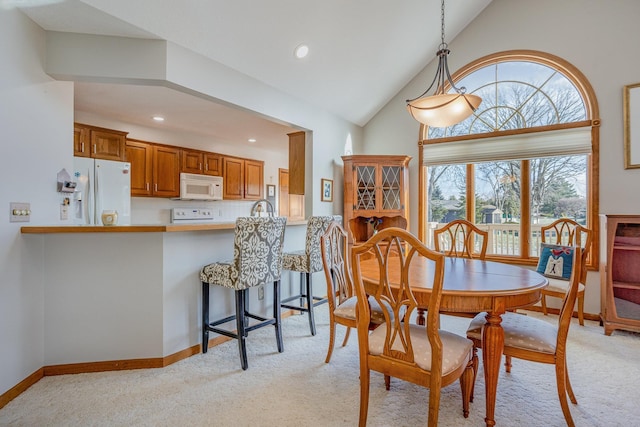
x,y
306,262
520,331
257,260
347,310
561,286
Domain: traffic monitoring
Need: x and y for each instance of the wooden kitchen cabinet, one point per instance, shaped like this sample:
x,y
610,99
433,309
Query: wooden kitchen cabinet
x,y
212,164
297,162
243,178
192,161
201,162
620,278
98,143
155,169
375,187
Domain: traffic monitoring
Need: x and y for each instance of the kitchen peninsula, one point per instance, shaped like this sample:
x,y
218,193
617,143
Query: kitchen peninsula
x,y
125,297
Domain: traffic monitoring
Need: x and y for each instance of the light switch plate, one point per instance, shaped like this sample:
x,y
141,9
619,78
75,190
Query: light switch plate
x,y
19,212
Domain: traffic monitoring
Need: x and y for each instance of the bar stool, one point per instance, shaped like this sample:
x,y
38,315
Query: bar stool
x,y
307,262
257,260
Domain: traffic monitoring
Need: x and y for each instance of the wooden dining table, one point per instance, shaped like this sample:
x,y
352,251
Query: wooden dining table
x,y
473,286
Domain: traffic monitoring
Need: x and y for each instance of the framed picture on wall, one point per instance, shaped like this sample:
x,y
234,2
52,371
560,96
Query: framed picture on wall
x,y
327,190
631,109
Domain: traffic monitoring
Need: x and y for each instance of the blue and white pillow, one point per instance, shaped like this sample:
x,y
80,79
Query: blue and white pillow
x,y
555,261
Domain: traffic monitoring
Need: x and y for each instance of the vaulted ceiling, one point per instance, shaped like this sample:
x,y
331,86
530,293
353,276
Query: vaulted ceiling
x,y
362,52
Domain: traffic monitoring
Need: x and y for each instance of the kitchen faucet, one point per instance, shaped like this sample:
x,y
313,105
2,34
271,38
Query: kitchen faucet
x,y
257,208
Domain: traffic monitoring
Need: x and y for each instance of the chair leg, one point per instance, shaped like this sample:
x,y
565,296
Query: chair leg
x,y
474,366
364,395
572,396
245,296
434,406
507,364
240,326
332,336
543,302
581,309
205,317
387,382
302,285
276,315
420,320
466,384
346,337
309,286
561,375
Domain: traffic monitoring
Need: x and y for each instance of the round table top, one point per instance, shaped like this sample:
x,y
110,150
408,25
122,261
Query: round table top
x,y
469,284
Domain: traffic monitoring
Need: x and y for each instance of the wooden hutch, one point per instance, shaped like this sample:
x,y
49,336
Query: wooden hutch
x,y
376,194
620,278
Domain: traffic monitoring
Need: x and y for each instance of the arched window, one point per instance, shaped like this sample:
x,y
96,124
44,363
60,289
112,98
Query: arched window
x,y
522,160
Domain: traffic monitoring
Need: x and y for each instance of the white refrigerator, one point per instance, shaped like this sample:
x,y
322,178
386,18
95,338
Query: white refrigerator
x,y
102,185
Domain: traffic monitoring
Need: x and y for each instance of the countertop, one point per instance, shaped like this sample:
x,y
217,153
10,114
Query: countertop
x,y
136,228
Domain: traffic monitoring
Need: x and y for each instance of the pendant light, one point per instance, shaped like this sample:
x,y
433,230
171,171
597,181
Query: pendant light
x,y
443,109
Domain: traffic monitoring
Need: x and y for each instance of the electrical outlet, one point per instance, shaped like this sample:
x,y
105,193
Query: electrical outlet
x,y
261,292
64,212
19,212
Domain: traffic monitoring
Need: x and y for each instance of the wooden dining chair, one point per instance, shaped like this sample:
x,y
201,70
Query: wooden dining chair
x,y
426,356
528,338
461,239
566,232
340,293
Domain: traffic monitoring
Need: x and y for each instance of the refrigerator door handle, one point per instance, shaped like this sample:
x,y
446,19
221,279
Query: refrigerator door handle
x,y
98,196
89,205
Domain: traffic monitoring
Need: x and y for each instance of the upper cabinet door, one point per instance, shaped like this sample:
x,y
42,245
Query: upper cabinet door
x,y
233,183
81,141
166,171
253,179
140,155
212,164
191,161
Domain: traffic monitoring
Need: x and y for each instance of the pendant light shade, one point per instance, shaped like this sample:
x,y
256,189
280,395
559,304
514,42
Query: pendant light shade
x,y
443,109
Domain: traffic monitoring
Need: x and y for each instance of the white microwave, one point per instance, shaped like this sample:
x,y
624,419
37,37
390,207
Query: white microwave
x,y
200,187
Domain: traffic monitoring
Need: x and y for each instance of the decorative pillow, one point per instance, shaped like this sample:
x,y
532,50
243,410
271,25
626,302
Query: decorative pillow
x,y
555,261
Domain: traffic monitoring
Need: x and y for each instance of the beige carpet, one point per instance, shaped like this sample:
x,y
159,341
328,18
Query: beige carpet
x,y
296,388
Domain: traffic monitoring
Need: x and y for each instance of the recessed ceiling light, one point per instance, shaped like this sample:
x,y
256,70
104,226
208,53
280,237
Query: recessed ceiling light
x,y
158,118
252,140
301,51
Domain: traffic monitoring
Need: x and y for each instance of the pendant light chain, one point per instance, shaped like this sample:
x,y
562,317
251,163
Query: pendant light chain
x,y
443,44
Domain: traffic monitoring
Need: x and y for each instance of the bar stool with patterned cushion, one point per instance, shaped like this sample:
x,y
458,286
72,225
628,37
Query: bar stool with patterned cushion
x,y
307,262
257,260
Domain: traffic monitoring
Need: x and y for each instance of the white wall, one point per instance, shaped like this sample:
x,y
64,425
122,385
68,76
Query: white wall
x,y
36,118
597,37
